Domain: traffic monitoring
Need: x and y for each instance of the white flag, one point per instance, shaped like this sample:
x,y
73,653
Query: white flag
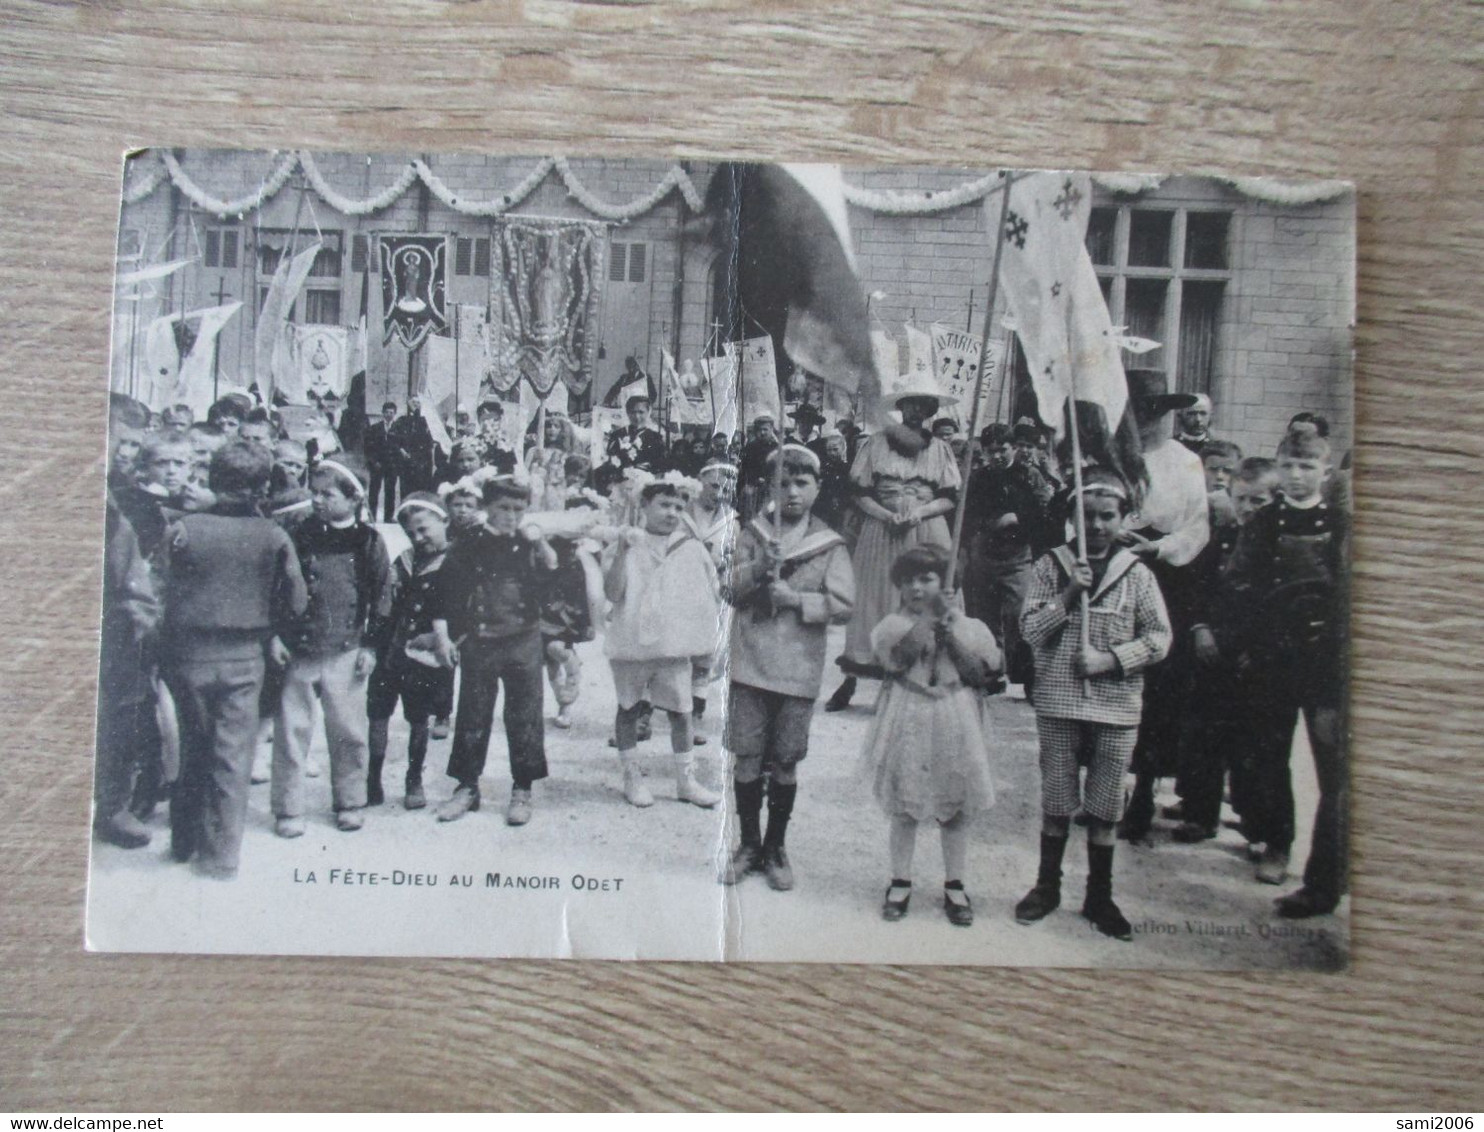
x,y
271,357
919,351
148,274
1052,292
456,365
161,362
759,378
196,387
720,378
888,356
683,409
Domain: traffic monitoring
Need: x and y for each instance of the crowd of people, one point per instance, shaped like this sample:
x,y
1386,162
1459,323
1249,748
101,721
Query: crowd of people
x,y
1173,618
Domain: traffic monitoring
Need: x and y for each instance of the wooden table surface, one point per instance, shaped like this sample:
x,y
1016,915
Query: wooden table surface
x,y
1385,93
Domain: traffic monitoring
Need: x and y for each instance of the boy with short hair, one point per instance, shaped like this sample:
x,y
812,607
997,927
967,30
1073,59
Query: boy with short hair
x,y
1089,697
330,649
486,611
230,577
665,596
791,580
1254,487
1286,620
1220,458
405,667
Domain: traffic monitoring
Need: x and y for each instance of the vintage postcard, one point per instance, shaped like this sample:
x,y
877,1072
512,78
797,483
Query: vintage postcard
x,y
630,559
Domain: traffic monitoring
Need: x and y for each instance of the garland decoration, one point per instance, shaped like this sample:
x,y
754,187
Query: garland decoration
x,y
344,204
493,207
893,203
239,206
1274,191
675,178
1128,184
144,185
1270,190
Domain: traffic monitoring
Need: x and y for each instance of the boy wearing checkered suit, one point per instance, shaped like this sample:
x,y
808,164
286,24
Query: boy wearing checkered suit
x,y
1089,698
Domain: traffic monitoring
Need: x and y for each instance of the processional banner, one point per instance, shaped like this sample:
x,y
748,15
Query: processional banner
x,y
544,310
413,282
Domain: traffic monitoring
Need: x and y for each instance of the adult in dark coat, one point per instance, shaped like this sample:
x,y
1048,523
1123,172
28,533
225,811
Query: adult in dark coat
x,y
416,451
381,462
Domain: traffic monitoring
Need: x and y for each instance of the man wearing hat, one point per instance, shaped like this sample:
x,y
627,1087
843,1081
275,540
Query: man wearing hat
x,y
492,448
906,482
807,420
1193,425
1169,529
640,445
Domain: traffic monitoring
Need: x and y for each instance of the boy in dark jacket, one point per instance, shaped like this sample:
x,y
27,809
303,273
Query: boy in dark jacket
x,y
405,666
1286,623
330,649
486,613
230,575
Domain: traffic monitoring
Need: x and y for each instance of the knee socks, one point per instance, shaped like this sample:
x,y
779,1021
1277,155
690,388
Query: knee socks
x,y
780,807
749,797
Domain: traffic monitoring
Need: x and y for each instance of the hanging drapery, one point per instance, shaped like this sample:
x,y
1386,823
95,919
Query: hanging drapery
x,y
544,311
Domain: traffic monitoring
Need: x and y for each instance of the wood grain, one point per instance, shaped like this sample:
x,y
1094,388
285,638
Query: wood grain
x,y
1386,93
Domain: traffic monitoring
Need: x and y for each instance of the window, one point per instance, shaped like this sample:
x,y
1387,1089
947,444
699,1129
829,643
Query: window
x,y
627,262
322,306
320,300
1205,240
1149,238
220,248
1164,273
1101,230
471,256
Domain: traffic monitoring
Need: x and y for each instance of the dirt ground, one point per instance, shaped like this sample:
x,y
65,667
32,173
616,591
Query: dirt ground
x,y
593,876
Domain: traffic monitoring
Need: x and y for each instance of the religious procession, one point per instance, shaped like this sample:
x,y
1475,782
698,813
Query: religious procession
x,y
1015,502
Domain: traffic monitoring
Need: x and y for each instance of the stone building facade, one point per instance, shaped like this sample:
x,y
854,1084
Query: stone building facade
x,y
1252,302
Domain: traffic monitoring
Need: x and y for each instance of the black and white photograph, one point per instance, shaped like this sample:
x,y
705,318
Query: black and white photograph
x,y
575,557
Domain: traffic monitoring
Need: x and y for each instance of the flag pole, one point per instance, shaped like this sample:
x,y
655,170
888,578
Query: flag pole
x,y
1079,520
968,462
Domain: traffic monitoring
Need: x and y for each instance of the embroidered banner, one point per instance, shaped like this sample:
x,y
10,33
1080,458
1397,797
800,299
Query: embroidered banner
x,y
413,278
323,356
544,311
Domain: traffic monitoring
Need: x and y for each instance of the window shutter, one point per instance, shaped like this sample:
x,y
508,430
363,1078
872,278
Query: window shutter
x,y
636,262
617,262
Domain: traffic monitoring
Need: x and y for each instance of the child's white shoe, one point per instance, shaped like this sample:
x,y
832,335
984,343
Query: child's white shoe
x,y
635,789
687,789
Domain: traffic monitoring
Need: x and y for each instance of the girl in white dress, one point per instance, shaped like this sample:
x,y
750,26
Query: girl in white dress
x,y
926,754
